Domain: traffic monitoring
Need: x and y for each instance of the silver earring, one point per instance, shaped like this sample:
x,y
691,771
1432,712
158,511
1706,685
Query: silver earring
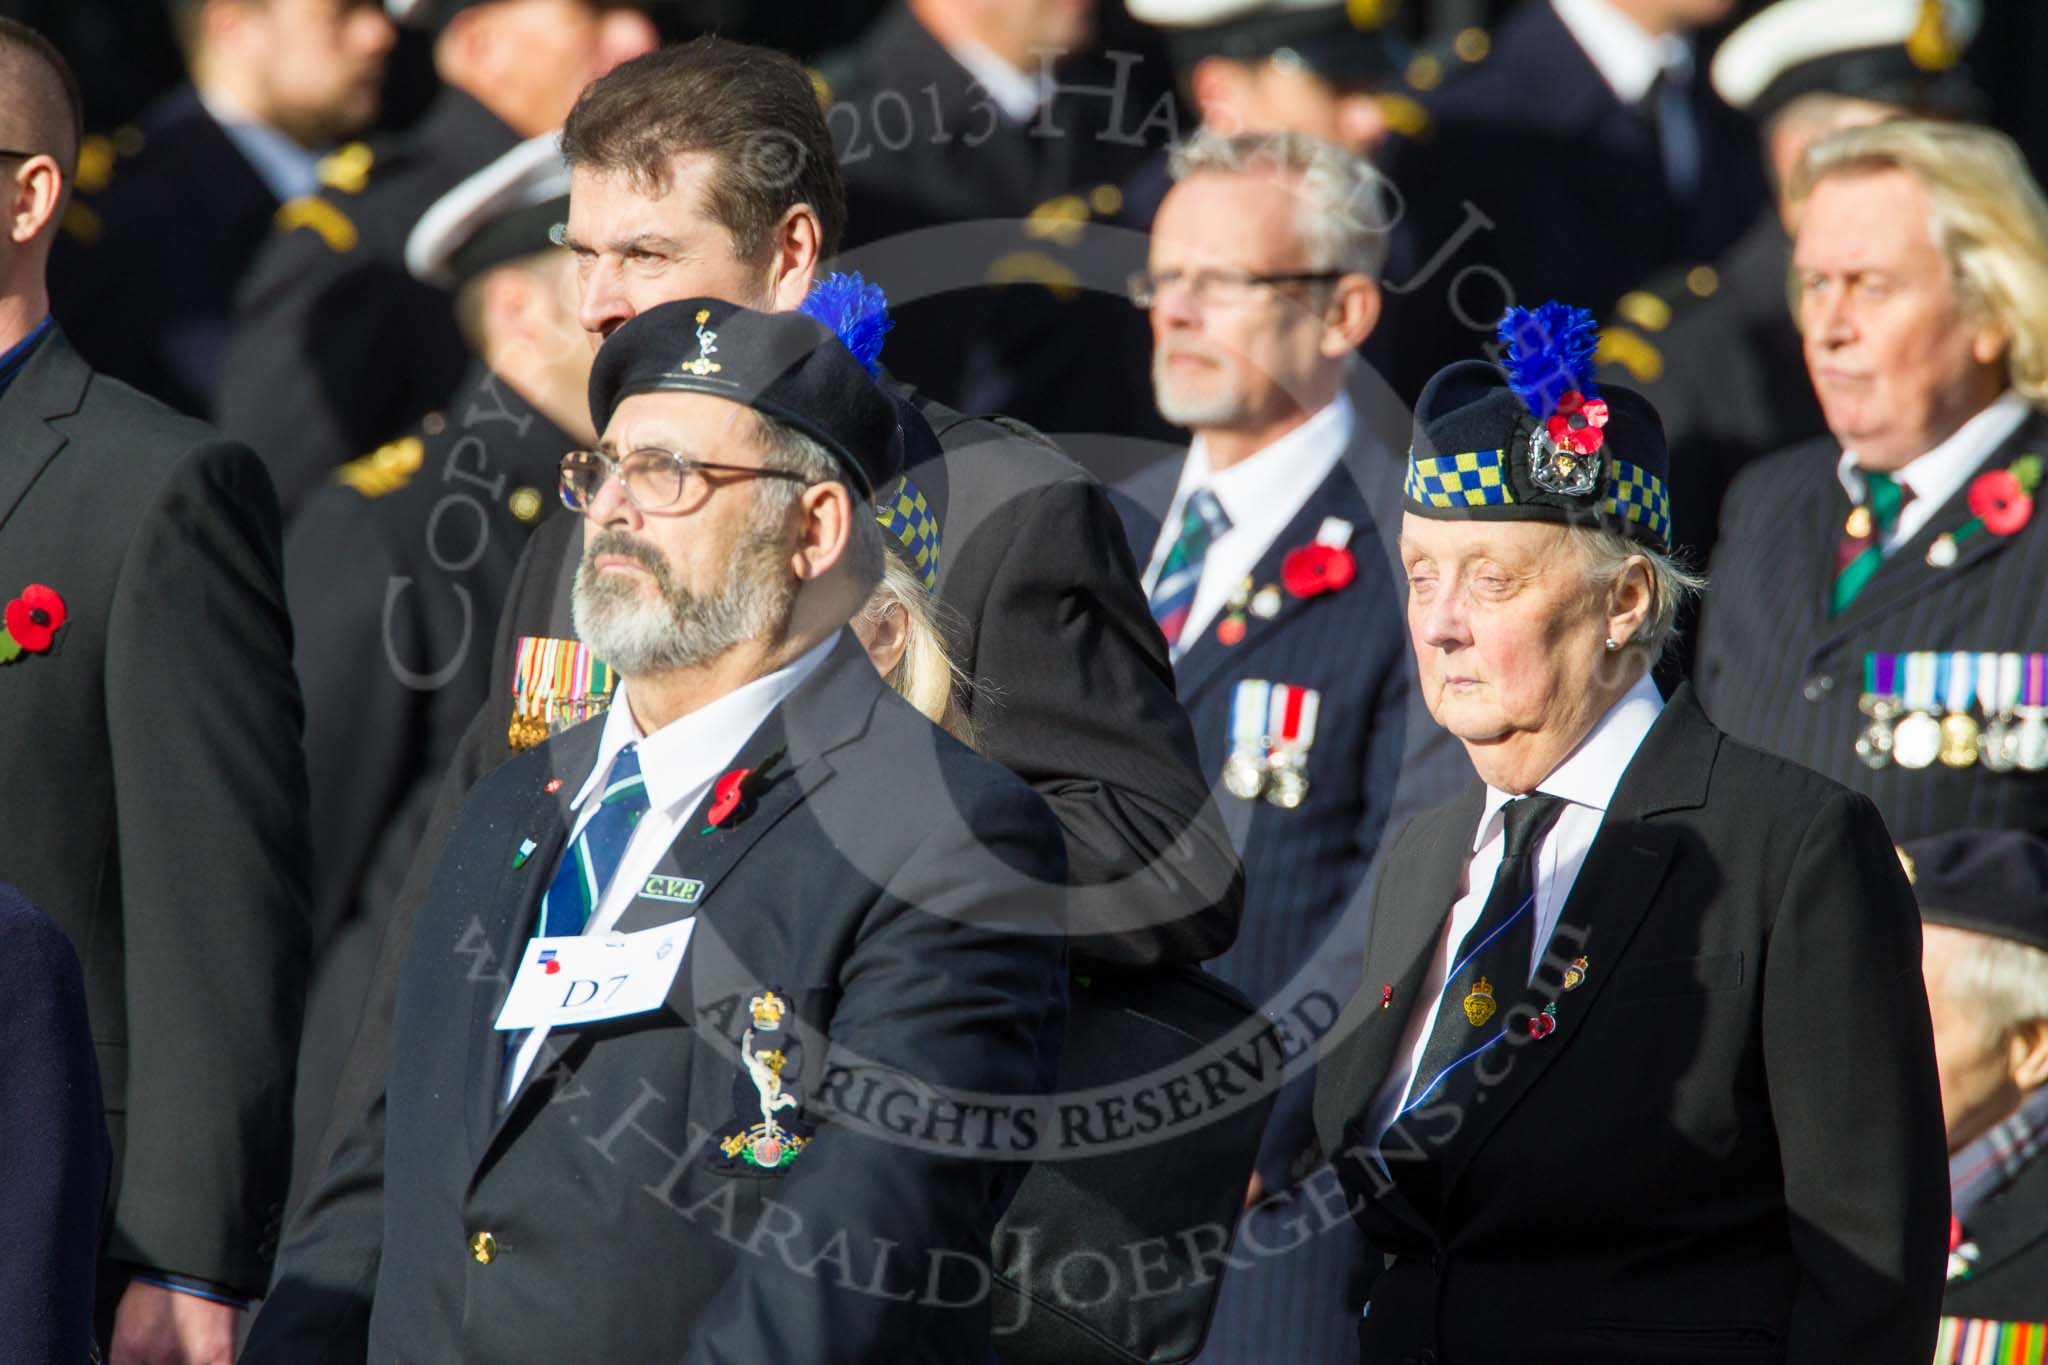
x,y
1612,644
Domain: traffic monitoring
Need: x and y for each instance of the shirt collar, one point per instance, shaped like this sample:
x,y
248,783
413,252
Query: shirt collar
x,y
1018,94
682,756
1279,476
1935,476
16,357
287,170
1589,776
1626,57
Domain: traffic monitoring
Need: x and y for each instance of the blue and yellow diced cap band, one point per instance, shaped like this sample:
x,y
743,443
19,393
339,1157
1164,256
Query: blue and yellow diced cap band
x,y
1475,478
904,514
1538,438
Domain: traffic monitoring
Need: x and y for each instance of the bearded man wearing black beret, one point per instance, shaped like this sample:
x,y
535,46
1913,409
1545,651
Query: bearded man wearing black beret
x,y
691,977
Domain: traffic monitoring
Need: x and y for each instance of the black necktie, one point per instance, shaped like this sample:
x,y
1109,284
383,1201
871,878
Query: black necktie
x,y
1491,971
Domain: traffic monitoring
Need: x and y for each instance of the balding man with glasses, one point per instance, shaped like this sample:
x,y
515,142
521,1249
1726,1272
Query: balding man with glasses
x,y
155,797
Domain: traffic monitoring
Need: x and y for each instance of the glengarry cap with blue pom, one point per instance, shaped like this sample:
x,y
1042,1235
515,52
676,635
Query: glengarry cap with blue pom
x,y
1536,439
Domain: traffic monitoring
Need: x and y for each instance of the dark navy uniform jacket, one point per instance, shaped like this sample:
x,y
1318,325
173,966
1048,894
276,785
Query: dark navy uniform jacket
x,y
144,276
335,345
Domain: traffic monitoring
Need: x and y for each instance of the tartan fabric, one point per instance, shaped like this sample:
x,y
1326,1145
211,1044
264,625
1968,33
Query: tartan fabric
x,y
904,514
1993,1161
1173,596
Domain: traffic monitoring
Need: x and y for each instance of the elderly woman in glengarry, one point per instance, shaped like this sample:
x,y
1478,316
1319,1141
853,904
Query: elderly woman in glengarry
x,y
1641,1068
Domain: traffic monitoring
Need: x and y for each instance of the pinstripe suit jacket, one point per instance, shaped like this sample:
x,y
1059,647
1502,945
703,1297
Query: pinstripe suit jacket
x,y
1305,866
1776,671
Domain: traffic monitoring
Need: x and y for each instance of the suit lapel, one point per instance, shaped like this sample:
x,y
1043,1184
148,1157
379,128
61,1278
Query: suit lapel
x,y
1204,660
546,822
1620,881
50,387
1904,575
830,709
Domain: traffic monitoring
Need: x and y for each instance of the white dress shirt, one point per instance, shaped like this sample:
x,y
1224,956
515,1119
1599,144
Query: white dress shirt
x,y
1017,93
1586,781
679,763
1626,57
288,170
1260,495
1936,476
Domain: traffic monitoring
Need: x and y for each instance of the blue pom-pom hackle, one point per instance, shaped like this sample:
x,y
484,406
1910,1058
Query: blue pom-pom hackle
x,y
857,311
1549,352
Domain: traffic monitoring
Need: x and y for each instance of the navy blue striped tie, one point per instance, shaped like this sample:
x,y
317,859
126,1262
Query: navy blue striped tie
x,y
594,855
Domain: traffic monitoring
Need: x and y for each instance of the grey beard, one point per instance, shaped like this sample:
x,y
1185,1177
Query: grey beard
x,y
1209,410
679,629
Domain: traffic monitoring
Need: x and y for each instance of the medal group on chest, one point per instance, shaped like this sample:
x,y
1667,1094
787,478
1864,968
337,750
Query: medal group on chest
x,y
1924,708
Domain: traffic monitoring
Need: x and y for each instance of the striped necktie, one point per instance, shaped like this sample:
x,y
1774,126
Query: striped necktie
x,y
1862,546
1173,596
593,856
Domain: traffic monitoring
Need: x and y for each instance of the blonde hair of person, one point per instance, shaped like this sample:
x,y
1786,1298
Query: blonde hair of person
x,y
1987,215
926,676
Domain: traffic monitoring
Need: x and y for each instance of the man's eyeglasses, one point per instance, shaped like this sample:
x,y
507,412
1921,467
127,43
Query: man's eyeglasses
x,y
1217,286
654,480
20,156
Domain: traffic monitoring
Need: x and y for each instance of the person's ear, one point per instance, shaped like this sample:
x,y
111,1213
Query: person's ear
x,y
796,248
1630,600
1353,312
825,513
884,633
1987,346
2029,1056
36,195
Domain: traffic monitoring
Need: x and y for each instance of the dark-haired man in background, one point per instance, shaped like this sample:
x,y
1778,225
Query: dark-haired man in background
x,y
336,346
172,210
155,801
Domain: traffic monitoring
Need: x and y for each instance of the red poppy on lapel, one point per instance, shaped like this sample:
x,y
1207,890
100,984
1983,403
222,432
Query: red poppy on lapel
x,y
732,796
33,619
1313,569
1999,498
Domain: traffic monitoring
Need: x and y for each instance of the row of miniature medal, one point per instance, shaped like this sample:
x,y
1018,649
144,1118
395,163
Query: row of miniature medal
x,y
1272,726
1920,707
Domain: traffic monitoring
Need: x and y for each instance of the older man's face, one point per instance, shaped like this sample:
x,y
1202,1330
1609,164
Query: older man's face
x,y
1227,356
1894,360
675,587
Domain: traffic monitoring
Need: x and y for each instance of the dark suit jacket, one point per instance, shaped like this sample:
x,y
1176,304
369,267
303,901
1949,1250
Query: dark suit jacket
x,y
144,276
1729,1150
335,345
55,1136
1301,866
1478,230
2009,1280
1776,671
919,936
155,802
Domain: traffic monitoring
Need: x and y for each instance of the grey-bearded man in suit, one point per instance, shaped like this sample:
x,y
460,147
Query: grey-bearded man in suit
x,y
796,1146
